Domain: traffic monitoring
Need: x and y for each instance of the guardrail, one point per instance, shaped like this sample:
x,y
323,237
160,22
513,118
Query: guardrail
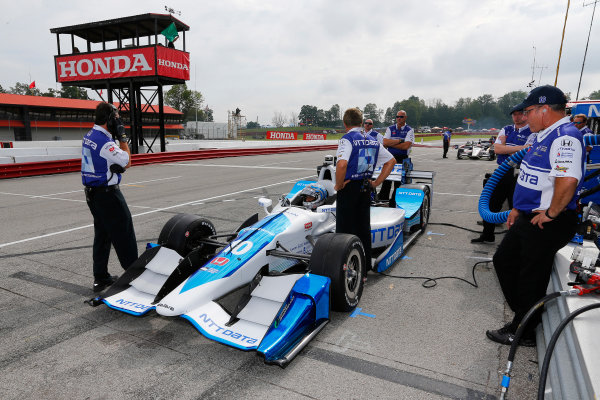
x,y
74,165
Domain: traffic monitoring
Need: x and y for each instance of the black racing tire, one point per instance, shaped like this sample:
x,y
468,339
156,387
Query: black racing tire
x,y
340,257
183,232
458,157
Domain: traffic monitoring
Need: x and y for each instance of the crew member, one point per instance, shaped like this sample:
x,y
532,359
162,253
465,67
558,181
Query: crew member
x,y
511,138
102,162
398,139
358,155
580,121
447,135
543,219
370,131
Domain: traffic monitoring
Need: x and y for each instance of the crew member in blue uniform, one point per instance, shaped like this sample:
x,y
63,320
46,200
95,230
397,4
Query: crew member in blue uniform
x,y
446,136
102,162
580,121
543,218
398,139
511,138
370,131
358,155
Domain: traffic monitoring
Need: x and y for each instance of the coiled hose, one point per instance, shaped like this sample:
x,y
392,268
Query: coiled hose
x,y
512,162
484,200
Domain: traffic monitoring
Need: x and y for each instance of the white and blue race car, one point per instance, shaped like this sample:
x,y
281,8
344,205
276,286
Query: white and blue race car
x,y
270,285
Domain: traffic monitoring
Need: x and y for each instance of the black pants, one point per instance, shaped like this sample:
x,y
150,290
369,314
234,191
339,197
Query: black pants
x,y
384,193
446,146
503,191
524,259
353,215
112,224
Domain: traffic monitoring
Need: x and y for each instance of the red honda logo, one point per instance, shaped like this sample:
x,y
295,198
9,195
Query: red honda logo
x,y
308,225
220,261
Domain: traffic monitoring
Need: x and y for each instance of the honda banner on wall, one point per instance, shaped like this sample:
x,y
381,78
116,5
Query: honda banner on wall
x,y
124,63
315,136
275,135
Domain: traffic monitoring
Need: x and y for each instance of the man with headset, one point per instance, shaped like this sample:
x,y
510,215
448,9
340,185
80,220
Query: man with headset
x,y
358,155
102,162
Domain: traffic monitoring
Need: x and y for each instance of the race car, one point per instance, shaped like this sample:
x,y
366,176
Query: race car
x,y
269,285
482,149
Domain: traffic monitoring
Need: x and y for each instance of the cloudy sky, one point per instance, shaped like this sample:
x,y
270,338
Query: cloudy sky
x,y
268,56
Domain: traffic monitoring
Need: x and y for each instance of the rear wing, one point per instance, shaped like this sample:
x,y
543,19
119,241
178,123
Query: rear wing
x,y
400,174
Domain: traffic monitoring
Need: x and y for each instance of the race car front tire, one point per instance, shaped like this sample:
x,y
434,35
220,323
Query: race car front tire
x,y
183,233
341,257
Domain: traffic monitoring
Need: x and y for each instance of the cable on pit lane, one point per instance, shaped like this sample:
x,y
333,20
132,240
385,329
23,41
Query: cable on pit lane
x,y
462,227
432,282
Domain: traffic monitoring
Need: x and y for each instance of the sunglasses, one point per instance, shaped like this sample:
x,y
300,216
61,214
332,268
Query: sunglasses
x,y
400,116
368,123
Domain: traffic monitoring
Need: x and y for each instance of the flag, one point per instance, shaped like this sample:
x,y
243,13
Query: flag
x,y
32,85
100,92
170,32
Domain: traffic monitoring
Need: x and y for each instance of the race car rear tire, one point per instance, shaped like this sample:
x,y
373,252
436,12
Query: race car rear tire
x,y
341,257
183,232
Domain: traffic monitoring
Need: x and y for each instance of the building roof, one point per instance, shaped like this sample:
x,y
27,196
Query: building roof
x,y
123,28
59,102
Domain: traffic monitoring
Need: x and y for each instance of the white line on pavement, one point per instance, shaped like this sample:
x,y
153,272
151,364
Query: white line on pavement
x,y
152,211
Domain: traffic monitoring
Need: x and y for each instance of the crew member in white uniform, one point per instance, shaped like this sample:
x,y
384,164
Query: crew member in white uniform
x,y
543,218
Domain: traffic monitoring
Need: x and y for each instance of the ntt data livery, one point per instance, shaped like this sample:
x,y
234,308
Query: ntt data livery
x,y
270,285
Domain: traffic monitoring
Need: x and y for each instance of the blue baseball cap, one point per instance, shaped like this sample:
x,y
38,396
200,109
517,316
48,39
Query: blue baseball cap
x,y
516,108
541,95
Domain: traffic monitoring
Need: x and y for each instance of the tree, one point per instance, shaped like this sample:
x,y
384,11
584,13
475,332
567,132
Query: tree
x,y
293,120
278,119
509,100
593,96
252,125
2,90
371,111
308,115
73,92
187,101
23,88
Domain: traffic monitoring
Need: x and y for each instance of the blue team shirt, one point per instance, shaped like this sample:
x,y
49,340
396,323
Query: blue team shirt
x,y
98,153
514,137
556,152
398,134
365,150
447,136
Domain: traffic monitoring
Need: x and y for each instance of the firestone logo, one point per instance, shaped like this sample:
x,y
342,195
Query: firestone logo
x,y
103,66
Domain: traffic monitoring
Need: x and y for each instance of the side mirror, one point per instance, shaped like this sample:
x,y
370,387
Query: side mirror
x,y
265,204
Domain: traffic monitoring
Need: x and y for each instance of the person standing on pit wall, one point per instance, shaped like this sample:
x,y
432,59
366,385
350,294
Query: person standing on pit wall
x,y
511,138
398,139
446,136
102,162
544,218
370,131
358,155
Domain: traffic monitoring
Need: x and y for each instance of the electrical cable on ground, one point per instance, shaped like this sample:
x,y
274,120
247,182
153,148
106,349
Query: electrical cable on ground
x,y
462,227
432,282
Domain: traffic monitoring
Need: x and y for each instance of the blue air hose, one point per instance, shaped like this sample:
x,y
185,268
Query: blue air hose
x,y
484,200
510,162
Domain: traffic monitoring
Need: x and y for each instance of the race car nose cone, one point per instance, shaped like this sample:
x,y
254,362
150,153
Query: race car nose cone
x,y
166,310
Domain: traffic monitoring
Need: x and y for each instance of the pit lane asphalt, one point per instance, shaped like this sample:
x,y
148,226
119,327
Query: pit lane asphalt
x,y
406,342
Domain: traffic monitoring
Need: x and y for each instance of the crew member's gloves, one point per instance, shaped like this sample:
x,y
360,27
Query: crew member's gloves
x,y
121,135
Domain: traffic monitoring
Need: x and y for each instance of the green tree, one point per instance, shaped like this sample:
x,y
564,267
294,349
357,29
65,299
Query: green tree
x,y
73,92
371,111
593,96
185,100
2,90
308,115
51,93
252,125
23,88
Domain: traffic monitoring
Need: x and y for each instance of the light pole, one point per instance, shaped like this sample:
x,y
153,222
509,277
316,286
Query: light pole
x,y
586,47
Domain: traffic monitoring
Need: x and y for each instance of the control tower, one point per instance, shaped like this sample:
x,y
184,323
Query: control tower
x,y
129,60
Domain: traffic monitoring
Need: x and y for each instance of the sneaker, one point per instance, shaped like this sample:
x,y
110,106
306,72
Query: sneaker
x,y
101,284
482,239
505,335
